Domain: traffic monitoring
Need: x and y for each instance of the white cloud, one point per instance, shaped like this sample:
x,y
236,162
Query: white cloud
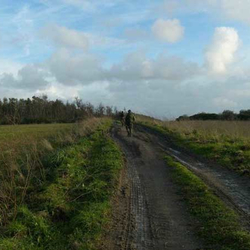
x,y
169,31
71,69
137,66
9,67
31,77
60,91
65,37
221,53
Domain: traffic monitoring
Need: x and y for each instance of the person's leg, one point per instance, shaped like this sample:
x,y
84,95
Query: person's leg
x,y
127,128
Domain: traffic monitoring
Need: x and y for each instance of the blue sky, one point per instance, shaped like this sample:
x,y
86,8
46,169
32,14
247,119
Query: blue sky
x,y
162,58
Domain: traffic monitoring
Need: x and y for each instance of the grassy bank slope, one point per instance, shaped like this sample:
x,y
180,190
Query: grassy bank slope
x,y
65,206
218,225
225,142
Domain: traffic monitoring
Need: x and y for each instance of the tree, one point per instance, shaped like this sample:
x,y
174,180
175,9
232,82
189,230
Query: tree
x,y
228,115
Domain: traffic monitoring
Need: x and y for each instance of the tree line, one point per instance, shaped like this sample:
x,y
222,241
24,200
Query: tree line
x,y
42,110
226,115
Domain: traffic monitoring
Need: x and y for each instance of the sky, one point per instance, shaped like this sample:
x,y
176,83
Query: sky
x,y
161,58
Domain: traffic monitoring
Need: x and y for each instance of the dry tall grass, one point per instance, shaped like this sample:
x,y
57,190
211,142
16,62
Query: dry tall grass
x,y
212,129
209,129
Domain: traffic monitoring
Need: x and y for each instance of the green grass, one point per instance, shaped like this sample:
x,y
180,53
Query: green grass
x,y
21,151
232,152
68,209
36,130
15,137
219,226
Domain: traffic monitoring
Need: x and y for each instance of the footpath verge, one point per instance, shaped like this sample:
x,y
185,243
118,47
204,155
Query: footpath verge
x,y
218,225
68,208
230,152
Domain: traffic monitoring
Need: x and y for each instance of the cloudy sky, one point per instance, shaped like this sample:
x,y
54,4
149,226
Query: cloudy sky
x,y
161,58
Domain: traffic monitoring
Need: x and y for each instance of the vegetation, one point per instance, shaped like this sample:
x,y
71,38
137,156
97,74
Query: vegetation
x,y
226,142
42,110
218,225
228,115
15,138
55,193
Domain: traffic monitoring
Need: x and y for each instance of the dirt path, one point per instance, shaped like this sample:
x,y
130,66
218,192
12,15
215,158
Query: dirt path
x,y
148,213
229,186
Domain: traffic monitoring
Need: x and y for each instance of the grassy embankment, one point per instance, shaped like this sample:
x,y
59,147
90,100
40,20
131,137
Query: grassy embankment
x,y
218,225
226,142
55,192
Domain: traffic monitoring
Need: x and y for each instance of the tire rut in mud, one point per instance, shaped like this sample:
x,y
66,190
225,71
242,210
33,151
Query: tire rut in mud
x,y
232,188
157,216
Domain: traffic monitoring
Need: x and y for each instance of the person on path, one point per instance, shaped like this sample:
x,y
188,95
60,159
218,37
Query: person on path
x,y
129,120
122,117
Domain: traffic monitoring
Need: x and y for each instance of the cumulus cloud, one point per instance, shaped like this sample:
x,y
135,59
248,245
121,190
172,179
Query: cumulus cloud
x,y
65,37
30,77
169,31
10,67
71,69
138,66
221,53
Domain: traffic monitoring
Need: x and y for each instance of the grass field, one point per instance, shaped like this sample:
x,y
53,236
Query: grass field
x,y
216,130
17,136
226,142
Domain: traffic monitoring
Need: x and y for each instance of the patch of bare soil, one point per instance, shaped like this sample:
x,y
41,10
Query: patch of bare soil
x,y
147,211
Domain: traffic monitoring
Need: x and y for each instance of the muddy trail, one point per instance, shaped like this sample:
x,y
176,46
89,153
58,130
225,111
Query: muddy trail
x,y
148,212
232,188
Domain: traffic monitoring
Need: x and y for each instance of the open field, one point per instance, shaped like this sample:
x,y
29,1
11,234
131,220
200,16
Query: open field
x,y
14,137
208,130
37,131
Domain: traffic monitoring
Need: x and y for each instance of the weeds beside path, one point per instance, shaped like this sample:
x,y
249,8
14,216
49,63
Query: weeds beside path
x,y
68,207
226,143
219,225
